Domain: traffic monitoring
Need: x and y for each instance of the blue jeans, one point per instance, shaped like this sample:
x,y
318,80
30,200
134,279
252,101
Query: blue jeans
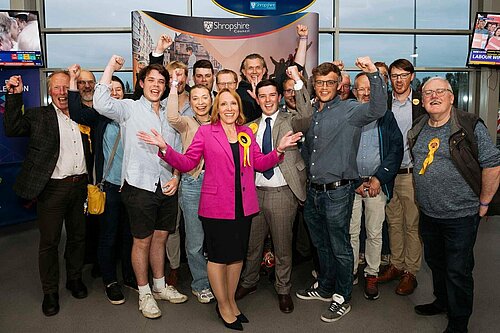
x,y
328,215
189,201
114,224
449,252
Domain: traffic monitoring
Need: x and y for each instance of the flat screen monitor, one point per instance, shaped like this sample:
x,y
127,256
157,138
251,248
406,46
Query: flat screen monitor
x,y
20,43
484,47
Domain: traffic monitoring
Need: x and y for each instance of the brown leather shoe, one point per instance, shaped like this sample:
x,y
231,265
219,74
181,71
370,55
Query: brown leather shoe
x,y
392,273
286,303
242,292
407,284
173,277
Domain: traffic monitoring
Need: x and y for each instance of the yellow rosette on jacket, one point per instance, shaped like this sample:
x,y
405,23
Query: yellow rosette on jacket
x,y
433,146
245,141
86,130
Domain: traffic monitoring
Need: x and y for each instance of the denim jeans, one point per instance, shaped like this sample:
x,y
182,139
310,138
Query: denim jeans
x,y
328,215
449,252
114,224
189,201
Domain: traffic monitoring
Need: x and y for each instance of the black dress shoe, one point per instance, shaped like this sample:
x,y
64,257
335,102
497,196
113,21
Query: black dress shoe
x,y
50,304
286,303
77,288
242,292
430,309
242,318
235,325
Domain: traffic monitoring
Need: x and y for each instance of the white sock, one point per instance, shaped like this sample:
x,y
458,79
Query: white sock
x,y
159,284
143,290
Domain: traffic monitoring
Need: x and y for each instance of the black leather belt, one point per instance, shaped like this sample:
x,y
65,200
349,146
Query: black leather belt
x,y
405,171
73,179
331,186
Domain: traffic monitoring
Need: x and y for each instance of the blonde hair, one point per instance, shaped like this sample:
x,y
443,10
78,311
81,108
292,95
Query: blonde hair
x,y
177,64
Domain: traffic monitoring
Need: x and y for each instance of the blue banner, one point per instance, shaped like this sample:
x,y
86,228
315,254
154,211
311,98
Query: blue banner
x,y
12,150
264,8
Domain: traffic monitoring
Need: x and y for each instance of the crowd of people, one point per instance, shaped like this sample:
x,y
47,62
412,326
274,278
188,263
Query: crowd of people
x,y
247,160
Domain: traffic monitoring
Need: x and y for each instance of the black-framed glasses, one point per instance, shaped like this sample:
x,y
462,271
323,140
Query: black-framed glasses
x,y
226,84
439,92
289,92
328,83
85,82
402,76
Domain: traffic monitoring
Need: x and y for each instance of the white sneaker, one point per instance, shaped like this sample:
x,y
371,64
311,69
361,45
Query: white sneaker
x,y
205,296
148,306
169,293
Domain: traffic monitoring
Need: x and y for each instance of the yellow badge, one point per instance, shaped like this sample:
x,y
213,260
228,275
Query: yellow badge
x,y
415,101
254,127
433,146
245,141
86,130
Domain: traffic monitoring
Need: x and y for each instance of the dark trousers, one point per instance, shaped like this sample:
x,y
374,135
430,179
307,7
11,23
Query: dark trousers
x,y
114,230
448,250
61,201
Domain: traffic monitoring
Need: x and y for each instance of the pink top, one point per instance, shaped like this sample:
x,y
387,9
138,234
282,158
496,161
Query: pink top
x,y
217,198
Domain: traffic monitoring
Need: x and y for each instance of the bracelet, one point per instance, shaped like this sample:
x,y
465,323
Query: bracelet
x,y
175,83
303,37
174,176
279,151
484,204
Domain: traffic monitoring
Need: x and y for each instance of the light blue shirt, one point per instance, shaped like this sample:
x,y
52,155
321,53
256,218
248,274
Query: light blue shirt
x,y
368,158
141,165
403,114
115,171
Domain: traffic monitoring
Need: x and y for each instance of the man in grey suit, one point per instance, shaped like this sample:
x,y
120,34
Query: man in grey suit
x,y
55,173
279,189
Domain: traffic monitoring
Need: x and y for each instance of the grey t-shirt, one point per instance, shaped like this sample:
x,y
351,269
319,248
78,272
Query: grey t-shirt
x,y
441,191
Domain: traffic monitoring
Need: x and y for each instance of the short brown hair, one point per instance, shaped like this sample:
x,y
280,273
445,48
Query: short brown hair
x,y
226,71
403,64
215,108
325,69
146,70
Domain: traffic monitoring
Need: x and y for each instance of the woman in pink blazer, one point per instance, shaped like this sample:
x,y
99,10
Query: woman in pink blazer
x,y
228,197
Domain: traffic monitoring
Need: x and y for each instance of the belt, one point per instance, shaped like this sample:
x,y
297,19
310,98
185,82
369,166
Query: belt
x,y
73,179
272,189
331,186
405,171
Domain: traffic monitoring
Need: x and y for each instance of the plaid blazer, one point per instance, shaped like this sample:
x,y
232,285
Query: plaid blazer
x,y
41,125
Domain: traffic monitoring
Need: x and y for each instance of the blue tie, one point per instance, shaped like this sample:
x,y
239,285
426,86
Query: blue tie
x,y
267,146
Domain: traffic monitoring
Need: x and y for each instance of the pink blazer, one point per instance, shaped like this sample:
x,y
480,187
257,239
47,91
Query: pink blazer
x,y
217,198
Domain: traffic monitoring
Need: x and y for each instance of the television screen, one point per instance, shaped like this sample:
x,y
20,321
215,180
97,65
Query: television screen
x,y
20,43
484,48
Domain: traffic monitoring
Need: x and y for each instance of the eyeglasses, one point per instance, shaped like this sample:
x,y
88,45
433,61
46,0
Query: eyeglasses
x,y
345,86
226,84
289,92
402,76
85,82
439,92
321,83
362,90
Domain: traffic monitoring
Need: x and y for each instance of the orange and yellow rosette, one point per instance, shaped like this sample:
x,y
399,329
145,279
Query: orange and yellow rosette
x,y
86,130
433,146
245,141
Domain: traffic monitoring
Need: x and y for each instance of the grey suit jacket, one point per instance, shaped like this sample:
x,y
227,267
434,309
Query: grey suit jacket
x,y
41,125
293,167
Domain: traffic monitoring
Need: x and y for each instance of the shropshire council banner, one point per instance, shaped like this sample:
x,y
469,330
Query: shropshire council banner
x,y
224,41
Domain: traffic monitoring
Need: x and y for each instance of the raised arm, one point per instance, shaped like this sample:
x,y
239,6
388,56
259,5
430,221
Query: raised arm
x,y
300,56
16,121
173,116
301,120
363,114
104,104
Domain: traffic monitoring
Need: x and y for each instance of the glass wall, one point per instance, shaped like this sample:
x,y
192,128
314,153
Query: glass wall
x,y
433,34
